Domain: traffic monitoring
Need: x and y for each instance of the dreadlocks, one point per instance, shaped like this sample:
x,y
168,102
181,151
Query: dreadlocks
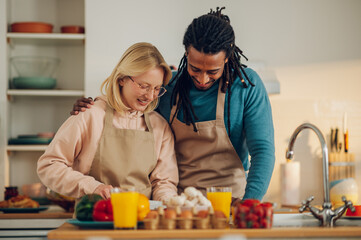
x,y
210,33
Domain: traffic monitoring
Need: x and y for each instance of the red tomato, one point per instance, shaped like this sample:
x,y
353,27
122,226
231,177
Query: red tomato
x,y
255,225
251,202
266,204
259,211
252,217
265,223
242,224
242,210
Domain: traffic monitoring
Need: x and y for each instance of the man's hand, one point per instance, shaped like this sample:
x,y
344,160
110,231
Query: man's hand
x,y
81,105
235,201
103,191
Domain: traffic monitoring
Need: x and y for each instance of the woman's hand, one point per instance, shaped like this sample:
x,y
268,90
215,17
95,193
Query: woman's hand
x,y
104,191
81,105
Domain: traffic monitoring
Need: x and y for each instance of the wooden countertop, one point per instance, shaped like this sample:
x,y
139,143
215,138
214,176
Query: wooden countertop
x,y
69,231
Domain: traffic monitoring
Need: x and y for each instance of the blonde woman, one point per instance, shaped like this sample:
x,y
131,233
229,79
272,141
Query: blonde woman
x,y
120,141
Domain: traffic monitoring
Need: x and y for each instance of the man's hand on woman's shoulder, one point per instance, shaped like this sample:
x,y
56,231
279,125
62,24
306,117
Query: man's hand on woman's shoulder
x,y
81,105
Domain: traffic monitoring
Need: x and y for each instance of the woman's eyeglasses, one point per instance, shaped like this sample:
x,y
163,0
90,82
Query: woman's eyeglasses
x,y
159,91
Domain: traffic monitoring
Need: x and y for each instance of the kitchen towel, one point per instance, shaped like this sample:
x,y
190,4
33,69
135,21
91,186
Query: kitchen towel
x,y
290,183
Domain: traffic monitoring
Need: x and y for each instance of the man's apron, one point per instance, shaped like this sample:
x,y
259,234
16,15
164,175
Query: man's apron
x,y
207,158
125,157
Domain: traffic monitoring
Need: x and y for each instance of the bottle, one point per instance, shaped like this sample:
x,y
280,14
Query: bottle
x,y
11,192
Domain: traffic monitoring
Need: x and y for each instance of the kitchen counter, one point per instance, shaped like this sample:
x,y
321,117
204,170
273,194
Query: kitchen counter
x,y
19,225
69,231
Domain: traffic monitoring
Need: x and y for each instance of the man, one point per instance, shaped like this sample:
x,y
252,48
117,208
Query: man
x,y
219,112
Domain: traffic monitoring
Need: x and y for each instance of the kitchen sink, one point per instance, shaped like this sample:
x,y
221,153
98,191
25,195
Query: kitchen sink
x,y
307,220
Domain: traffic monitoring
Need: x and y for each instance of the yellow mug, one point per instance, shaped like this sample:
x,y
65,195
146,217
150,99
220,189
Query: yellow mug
x,y
221,199
125,207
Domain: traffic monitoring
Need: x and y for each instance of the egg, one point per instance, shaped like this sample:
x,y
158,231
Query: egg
x,y
219,214
170,214
152,215
202,214
186,214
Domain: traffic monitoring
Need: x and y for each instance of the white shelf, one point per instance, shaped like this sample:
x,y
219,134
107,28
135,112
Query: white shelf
x,y
46,38
53,93
27,148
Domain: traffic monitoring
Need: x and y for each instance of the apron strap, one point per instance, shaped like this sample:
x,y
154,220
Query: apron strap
x,y
109,116
220,103
147,122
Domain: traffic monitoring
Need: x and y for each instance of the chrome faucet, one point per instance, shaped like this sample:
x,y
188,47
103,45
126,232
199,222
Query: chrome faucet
x,y
326,215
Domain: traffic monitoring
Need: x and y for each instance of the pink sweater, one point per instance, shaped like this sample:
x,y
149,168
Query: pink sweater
x,y
67,160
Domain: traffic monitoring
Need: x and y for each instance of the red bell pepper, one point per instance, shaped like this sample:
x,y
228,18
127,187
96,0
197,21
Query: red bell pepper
x,y
103,211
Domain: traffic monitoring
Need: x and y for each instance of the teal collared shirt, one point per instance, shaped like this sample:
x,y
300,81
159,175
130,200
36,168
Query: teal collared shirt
x,y
252,132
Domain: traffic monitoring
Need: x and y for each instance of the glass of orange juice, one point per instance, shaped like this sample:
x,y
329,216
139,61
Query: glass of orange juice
x,y
221,199
125,207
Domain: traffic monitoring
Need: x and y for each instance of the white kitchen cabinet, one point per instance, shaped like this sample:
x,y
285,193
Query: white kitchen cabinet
x,y
34,111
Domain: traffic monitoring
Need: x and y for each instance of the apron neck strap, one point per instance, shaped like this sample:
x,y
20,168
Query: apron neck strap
x,y
108,121
147,122
220,103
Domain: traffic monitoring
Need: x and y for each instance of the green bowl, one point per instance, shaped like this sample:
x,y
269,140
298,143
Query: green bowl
x,y
34,82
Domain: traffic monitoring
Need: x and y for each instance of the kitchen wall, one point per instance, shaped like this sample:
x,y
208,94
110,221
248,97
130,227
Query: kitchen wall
x,y
312,45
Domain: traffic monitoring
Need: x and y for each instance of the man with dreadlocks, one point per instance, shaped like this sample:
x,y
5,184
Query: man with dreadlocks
x,y
219,112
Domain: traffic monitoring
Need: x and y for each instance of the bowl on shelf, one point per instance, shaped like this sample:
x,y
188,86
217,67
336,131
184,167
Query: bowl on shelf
x,y
32,27
34,82
34,72
72,29
28,66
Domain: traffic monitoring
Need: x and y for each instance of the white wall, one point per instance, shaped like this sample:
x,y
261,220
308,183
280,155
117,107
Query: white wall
x,y
313,45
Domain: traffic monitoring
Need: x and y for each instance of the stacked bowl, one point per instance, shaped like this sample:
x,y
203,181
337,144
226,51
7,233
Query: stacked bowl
x,y
34,72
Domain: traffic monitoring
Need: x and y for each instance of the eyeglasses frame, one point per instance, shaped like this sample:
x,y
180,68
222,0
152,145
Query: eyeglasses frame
x,y
147,89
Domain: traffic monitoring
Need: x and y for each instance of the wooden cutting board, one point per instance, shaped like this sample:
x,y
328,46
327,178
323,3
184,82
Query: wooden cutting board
x,y
41,215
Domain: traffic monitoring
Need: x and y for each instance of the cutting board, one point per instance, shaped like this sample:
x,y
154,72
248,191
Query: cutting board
x,y
44,215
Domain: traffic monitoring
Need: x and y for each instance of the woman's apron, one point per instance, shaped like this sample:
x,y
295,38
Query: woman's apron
x,y
125,157
207,158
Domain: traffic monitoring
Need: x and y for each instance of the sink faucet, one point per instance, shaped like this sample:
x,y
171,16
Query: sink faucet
x,y
326,215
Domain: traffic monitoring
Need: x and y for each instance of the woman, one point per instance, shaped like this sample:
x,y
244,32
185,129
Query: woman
x,y
121,141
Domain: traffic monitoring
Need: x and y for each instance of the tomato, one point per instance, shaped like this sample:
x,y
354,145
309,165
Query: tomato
x,y
255,225
242,224
252,217
250,202
242,210
265,223
259,211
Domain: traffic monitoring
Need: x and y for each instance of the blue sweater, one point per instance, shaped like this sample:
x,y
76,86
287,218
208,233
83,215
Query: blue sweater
x,y
251,126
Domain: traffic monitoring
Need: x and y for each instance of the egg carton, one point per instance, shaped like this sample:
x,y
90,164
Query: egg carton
x,y
171,219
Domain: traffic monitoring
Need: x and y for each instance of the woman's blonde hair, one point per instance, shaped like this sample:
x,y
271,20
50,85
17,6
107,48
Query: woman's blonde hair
x,y
137,59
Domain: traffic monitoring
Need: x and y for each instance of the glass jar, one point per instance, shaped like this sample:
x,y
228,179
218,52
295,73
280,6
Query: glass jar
x,y
10,192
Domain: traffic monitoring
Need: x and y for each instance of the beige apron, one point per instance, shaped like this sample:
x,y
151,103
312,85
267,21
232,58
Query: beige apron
x,y
207,158
125,157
